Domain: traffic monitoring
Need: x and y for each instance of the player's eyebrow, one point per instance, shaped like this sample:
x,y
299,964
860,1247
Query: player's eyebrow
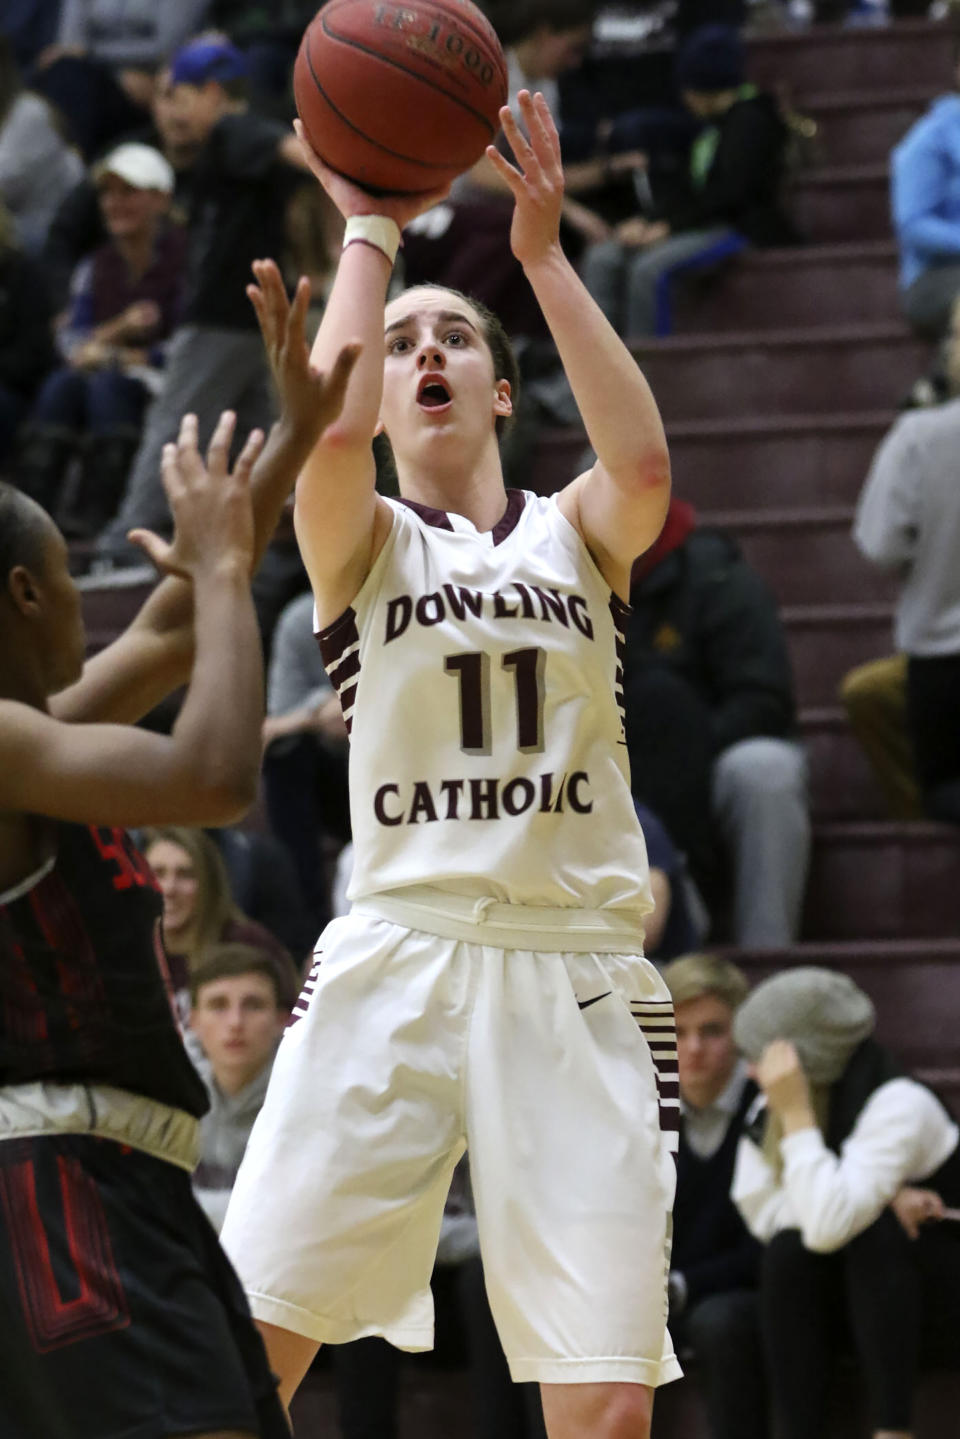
x,y
446,317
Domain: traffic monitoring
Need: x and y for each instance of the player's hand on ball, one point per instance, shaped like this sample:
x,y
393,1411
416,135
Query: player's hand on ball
x,y
211,504
309,400
351,199
536,180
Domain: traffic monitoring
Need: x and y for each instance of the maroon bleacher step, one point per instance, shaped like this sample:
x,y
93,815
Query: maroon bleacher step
x,y
782,372
805,285
775,460
110,602
883,880
826,57
842,784
840,203
861,127
826,641
806,556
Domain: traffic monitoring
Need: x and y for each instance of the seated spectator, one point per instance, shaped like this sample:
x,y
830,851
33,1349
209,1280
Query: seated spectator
x,y
731,195
198,907
908,519
678,922
124,306
715,1262
240,1003
269,36
856,1255
240,185
874,696
710,723
26,336
925,197
77,227
37,166
305,754
100,70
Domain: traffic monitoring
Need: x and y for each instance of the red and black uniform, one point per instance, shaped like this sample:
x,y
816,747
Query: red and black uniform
x,y
119,1313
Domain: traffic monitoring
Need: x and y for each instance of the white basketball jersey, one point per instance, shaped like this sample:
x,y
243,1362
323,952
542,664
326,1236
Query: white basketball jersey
x,y
481,679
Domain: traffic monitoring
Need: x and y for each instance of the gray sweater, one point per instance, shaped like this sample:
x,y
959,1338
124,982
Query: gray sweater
x,y
908,517
224,1132
130,32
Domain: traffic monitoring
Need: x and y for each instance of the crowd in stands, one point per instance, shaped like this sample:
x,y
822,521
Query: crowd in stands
x,y
146,160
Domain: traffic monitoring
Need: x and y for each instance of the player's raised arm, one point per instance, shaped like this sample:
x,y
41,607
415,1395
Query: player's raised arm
x,y
206,771
155,653
619,506
336,500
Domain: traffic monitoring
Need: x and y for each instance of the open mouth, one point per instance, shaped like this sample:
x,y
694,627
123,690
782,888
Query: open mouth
x,y
432,393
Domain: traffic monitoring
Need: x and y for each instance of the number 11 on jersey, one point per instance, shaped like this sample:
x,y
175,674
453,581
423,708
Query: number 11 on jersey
x,y
472,670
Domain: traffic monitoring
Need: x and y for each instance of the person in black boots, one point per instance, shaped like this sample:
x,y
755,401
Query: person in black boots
x,y
846,1175
715,1265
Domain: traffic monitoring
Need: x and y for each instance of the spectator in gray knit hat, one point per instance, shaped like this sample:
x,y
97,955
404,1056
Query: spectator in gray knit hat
x,y
845,1176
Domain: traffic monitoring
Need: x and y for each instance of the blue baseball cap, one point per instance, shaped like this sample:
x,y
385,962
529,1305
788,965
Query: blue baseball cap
x,y
205,60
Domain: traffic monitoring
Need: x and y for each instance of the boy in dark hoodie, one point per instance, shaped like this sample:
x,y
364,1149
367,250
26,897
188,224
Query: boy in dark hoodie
x,y
729,196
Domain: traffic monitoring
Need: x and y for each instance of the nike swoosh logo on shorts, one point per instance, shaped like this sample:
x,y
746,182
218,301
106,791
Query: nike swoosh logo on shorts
x,y
586,1003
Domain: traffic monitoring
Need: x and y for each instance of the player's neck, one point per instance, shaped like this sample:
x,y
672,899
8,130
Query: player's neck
x,y
477,494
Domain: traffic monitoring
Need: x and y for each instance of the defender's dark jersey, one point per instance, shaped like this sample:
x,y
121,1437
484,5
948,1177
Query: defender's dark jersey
x,y
84,991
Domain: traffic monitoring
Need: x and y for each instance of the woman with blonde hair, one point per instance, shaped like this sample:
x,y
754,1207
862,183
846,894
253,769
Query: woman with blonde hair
x,y
198,908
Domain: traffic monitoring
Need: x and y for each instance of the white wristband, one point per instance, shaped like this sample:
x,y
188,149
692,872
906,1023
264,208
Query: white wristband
x,y
377,230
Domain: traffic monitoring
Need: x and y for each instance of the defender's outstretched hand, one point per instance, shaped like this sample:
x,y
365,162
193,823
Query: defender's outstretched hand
x,y
211,505
309,400
536,181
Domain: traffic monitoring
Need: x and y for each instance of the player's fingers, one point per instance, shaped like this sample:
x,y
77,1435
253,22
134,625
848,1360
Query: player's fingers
x,y
543,132
506,171
157,551
517,140
297,313
187,438
335,384
218,450
171,473
248,457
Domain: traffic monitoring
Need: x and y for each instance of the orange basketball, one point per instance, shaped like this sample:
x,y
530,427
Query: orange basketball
x,y
400,97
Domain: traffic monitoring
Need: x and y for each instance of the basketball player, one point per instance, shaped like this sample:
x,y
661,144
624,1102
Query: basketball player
x,y
488,987
119,1314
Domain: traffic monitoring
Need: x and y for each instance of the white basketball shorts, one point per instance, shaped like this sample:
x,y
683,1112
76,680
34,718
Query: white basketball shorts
x,y
557,1069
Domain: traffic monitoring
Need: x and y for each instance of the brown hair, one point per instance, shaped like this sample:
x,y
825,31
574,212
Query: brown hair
x,y
693,976
215,903
229,961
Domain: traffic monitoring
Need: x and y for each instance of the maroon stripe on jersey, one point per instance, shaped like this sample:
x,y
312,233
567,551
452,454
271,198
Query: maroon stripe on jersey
x,y
306,993
334,642
337,638
98,1304
619,613
655,1018
340,673
507,523
439,519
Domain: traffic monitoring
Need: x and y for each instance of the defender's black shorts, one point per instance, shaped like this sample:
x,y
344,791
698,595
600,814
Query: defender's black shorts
x,y
120,1315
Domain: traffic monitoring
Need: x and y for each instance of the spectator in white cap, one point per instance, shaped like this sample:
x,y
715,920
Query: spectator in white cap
x,y
124,304
846,1176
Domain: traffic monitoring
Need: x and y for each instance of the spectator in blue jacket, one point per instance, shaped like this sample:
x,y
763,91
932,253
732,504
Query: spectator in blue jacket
x,y
925,195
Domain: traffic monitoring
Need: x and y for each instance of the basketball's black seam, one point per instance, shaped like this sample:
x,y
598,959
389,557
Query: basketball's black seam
x,y
405,70
375,144
488,34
